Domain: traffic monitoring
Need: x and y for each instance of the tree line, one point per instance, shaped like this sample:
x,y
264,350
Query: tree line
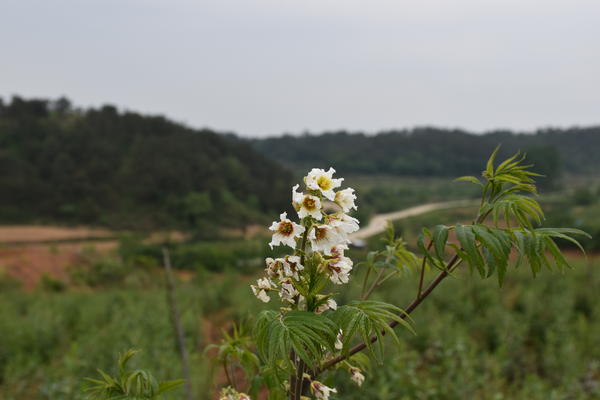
x,y
431,151
122,169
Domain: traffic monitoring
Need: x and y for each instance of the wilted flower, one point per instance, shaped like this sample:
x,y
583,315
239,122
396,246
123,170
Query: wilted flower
x,y
286,232
292,266
306,204
318,179
321,391
288,291
274,267
323,238
261,288
356,376
345,199
329,304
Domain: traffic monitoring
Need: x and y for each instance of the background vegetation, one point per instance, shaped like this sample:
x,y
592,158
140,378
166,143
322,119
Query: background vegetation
x,y
433,151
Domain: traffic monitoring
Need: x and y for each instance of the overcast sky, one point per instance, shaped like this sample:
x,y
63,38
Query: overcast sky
x,y
259,67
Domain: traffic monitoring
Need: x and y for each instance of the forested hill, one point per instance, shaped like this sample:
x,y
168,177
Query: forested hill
x,y
434,152
122,169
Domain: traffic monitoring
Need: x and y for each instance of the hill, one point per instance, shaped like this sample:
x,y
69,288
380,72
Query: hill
x,y
433,151
122,169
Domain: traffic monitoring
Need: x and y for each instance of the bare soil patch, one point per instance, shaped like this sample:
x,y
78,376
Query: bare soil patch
x,y
29,263
38,233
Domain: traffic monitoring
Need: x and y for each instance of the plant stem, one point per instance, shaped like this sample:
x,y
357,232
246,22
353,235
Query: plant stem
x,y
225,367
365,281
373,286
296,379
303,244
388,276
176,320
423,270
299,380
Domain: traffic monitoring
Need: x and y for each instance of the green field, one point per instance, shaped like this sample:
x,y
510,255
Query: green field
x,y
532,339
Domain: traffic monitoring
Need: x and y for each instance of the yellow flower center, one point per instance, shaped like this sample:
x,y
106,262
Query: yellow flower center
x,y
324,182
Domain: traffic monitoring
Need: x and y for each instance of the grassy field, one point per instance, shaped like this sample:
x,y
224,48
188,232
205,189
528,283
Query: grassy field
x,y
532,339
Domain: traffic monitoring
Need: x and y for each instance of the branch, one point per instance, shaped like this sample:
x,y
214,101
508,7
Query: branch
x,y
411,307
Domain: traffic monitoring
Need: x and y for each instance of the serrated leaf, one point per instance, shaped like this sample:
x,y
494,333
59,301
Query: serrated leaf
x,y
303,332
440,237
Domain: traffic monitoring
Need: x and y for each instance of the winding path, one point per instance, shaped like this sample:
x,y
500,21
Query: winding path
x,y
378,223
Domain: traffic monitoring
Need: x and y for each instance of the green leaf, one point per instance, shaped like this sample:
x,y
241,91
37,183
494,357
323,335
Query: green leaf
x,y
489,168
367,319
471,179
494,245
168,385
440,237
305,333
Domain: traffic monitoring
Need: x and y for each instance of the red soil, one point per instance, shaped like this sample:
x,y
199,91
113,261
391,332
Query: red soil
x,y
29,263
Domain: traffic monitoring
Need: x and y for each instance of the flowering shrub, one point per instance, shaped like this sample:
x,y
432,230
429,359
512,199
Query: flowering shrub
x,y
311,333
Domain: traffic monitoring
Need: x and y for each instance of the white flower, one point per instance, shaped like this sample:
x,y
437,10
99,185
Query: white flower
x,y
286,232
356,376
329,304
260,290
338,341
343,223
324,238
320,391
288,291
339,270
318,179
306,204
292,266
338,250
345,199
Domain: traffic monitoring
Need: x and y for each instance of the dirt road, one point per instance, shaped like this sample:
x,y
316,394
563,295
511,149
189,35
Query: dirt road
x,y
378,223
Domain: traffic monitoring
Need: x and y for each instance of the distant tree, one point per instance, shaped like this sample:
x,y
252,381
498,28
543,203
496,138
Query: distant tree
x,y
546,160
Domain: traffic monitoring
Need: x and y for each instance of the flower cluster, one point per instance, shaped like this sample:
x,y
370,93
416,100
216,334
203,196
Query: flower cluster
x,y
230,393
319,239
317,232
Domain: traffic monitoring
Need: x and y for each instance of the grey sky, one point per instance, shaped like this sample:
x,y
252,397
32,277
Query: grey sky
x,y
261,67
